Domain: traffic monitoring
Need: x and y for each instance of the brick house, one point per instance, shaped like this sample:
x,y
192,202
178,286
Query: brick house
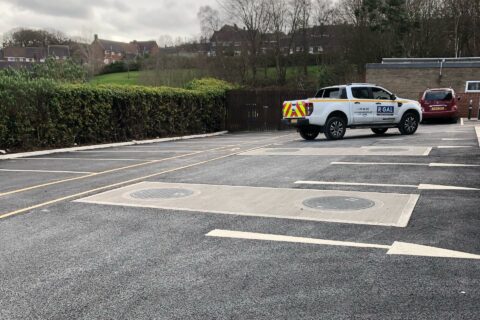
x,y
232,40
34,54
108,51
146,48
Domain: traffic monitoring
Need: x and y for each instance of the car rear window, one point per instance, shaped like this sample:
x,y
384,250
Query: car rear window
x,y
332,93
438,96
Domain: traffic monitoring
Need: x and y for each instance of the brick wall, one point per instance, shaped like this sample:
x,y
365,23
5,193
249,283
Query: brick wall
x,y
465,101
406,83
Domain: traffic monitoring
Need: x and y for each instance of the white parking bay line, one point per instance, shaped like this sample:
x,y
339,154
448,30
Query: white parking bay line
x,y
397,248
477,131
378,164
138,151
44,171
453,147
83,159
459,165
326,183
455,139
419,187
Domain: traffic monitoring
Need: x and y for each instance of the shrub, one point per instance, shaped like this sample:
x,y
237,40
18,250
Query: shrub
x,y
43,113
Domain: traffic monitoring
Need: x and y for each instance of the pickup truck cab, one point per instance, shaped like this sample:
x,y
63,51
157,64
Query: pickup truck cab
x,y
355,105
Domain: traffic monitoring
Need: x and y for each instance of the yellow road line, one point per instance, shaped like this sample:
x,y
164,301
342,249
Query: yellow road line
x,y
99,173
121,168
12,213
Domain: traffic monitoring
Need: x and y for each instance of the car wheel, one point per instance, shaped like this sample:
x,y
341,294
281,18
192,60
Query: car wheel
x,y
335,128
379,130
309,132
409,123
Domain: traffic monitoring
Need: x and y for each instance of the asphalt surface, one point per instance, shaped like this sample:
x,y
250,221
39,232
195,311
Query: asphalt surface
x,y
65,259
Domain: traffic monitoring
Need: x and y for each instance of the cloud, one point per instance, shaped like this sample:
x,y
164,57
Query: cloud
x,y
112,19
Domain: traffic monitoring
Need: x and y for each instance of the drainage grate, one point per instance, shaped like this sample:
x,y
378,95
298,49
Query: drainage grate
x,y
169,193
339,203
387,150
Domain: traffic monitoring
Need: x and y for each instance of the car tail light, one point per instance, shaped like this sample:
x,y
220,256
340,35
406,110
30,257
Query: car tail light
x,y
455,107
309,108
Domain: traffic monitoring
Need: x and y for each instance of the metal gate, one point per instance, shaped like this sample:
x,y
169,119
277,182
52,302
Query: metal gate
x,y
258,110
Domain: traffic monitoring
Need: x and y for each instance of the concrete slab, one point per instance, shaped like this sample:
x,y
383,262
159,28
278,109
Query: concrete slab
x,y
385,209
363,151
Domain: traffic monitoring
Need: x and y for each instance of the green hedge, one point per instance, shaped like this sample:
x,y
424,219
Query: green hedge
x,y
42,113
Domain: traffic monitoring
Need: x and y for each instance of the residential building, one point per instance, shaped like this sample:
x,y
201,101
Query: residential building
x,y
108,51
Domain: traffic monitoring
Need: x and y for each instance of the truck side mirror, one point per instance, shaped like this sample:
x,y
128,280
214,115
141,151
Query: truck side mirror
x,y
393,97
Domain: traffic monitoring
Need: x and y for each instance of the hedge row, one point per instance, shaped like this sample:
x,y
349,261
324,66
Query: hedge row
x,y
42,113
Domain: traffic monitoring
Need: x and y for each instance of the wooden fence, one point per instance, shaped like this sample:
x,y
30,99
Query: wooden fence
x,y
261,110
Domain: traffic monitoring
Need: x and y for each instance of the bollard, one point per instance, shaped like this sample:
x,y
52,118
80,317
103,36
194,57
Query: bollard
x,y
470,108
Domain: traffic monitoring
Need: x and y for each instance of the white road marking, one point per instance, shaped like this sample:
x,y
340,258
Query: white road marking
x,y
356,184
278,238
109,145
404,164
85,159
477,131
44,171
419,187
452,165
441,187
455,139
140,151
453,147
397,248
378,164
355,151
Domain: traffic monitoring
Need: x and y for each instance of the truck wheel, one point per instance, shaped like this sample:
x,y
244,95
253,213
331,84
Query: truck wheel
x,y
309,132
335,128
409,123
379,130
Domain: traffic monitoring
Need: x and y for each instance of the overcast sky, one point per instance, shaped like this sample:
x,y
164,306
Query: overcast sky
x,y
120,20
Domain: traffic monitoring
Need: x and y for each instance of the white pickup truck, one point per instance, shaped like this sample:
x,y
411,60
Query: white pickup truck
x,y
356,105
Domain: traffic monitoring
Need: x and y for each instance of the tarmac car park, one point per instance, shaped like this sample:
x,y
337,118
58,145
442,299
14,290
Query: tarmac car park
x,y
356,105
257,225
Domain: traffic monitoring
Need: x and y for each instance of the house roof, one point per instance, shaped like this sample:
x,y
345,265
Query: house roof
x,y
117,46
229,33
145,46
25,52
59,51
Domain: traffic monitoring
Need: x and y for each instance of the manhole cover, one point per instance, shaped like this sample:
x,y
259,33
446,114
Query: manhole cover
x,y
338,203
170,193
283,150
387,149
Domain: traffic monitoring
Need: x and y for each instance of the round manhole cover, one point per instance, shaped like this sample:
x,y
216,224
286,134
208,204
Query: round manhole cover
x,y
339,203
387,150
170,193
283,150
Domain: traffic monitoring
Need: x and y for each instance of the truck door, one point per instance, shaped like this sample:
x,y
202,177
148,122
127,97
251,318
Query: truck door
x,y
363,105
386,109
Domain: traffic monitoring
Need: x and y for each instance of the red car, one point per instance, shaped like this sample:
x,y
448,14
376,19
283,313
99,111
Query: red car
x,y
439,103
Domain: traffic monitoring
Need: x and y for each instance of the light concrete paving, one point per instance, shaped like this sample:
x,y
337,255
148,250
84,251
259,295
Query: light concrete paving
x,y
363,151
388,209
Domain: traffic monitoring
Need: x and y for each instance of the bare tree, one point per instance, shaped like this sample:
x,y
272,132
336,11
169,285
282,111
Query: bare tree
x,y
254,16
209,21
284,17
325,12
